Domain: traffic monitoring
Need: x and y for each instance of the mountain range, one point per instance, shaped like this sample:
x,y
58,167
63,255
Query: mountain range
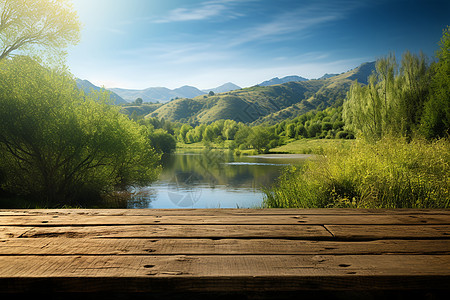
x,y
269,102
265,104
162,94
286,79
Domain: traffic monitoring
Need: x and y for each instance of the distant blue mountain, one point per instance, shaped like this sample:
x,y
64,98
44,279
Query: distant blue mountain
x,y
162,94
86,86
227,87
286,79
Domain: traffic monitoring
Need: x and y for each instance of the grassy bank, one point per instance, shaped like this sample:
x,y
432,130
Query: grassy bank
x,y
315,146
388,174
303,146
200,146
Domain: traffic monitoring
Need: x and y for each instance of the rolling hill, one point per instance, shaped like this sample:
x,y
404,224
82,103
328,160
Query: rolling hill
x,y
265,104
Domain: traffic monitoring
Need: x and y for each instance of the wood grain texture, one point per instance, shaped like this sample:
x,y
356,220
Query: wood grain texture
x,y
71,220
221,212
223,251
86,246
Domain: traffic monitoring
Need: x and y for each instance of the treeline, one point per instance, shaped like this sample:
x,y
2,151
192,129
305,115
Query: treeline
x,y
223,133
234,135
320,124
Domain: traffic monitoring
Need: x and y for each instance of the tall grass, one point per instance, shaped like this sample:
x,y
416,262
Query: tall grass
x,y
388,174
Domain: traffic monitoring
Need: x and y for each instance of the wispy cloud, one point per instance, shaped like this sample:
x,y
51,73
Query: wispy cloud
x,y
295,24
203,11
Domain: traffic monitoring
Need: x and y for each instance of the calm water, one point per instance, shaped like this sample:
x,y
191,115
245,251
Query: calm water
x,y
211,179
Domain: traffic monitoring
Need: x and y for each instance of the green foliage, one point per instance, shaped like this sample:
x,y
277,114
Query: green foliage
x,y
61,146
393,101
30,26
404,102
322,124
436,117
262,139
162,141
390,173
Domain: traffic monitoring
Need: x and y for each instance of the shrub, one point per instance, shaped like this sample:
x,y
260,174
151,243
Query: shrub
x,y
60,146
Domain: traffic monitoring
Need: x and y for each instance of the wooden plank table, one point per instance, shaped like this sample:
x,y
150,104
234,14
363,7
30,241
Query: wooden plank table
x,y
223,253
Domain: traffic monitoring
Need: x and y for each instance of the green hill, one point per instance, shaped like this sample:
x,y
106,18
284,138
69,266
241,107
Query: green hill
x,y
265,104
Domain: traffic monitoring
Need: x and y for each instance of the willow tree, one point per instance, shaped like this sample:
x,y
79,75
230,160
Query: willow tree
x,y
392,102
436,117
60,145
40,27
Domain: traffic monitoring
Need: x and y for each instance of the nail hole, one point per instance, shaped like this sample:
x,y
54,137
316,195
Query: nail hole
x,y
351,272
149,266
344,265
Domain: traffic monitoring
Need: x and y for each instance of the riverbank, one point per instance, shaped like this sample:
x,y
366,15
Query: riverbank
x,y
390,173
312,146
302,146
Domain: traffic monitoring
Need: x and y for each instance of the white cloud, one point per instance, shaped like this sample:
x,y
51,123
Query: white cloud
x,y
205,10
294,24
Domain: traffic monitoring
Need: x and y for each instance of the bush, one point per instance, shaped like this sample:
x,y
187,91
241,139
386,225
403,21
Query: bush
x,y
60,146
388,174
161,141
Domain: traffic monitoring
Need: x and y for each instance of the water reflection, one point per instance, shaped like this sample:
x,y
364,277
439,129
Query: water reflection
x,y
211,179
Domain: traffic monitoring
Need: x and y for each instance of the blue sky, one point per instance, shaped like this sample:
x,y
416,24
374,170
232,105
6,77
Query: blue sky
x,y
204,43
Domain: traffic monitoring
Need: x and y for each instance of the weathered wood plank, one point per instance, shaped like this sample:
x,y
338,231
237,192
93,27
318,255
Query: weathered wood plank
x,y
220,212
389,232
373,219
223,250
65,246
170,231
226,273
312,232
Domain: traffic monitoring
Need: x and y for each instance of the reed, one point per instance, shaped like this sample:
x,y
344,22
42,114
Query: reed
x,y
390,173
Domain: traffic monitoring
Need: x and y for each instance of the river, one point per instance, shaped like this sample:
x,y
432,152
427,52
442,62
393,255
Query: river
x,y
213,179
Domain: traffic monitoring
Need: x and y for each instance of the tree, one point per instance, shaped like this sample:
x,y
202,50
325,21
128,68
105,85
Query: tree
x,y
208,134
211,93
183,131
58,144
436,118
392,102
138,101
162,142
261,139
30,26
290,130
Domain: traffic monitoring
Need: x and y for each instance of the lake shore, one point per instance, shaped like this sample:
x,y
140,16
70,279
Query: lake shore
x,y
283,156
